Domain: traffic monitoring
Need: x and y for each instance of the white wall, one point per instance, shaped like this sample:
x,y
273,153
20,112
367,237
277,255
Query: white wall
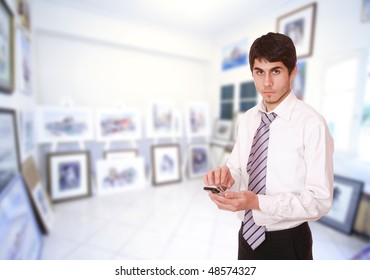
x,y
99,61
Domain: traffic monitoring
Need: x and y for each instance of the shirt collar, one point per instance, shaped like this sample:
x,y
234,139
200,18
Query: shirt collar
x,y
284,109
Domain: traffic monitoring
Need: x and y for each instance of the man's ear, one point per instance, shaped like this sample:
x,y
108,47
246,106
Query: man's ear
x,y
294,72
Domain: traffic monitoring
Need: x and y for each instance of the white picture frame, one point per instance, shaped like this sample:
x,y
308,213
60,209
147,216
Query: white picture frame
x,y
160,120
117,124
63,124
222,129
125,174
197,122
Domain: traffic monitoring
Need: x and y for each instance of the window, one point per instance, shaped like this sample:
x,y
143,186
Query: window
x,y
227,102
340,95
346,105
247,97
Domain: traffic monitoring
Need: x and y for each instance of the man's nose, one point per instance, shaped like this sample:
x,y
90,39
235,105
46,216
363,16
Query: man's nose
x,y
267,82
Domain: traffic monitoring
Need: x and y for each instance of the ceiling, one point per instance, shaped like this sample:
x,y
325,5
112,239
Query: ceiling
x,y
206,19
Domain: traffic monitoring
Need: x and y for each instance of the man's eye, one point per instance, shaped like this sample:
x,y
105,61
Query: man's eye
x,y
276,72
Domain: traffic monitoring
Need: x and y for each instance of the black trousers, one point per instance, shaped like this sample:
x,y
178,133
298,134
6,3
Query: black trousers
x,y
290,244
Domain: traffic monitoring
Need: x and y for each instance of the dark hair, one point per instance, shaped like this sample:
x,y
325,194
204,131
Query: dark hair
x,y
274,47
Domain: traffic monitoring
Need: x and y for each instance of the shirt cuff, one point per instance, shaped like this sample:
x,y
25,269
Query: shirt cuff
x,y
268,205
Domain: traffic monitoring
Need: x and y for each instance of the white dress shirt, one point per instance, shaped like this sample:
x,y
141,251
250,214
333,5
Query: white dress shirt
x,y
299,179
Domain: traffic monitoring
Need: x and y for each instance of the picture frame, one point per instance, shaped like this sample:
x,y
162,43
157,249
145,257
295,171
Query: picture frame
x,y
118,124
24,62
222,129
120,154
39,197
10,162
68,175
365,11
197,122
114,176
166,164
21,236
26,132
160,121
63,124
299,81
299,25
235,55
346,197
7,79
24,13
199,160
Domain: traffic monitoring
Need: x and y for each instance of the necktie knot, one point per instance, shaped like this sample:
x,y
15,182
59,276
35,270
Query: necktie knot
x,y
267,119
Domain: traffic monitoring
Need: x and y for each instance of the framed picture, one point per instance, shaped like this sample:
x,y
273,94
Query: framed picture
x,y
9,146
235,55
40,198
178,124
160,121
20,234
121,154
59,124
197,119
23,59
199,160
365,11
118,124
362,223
347,194
27,132
166,164
222,129
69,175
24,12
7,48
299,81
120,175
299,25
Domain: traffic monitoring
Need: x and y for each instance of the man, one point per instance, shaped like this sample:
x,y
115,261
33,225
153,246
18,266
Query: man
x,y
286,178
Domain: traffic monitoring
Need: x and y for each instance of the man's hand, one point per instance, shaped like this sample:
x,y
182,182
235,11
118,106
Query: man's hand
x,y
219,176
235,201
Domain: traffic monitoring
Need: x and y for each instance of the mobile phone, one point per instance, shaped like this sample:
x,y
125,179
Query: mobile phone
x,y
214,189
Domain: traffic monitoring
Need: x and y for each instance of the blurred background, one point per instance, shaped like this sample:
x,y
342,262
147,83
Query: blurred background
x,y
160,85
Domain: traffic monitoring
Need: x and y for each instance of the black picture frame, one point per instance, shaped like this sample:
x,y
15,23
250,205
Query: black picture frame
x,y
7,62
10,162
346,198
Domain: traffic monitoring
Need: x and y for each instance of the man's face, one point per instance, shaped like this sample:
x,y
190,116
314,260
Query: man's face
x,y
272,81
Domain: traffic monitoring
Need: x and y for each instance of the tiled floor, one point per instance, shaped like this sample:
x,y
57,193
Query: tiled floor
x,y
164,222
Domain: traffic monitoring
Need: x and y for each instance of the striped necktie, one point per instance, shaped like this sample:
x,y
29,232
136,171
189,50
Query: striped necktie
x,y
256,168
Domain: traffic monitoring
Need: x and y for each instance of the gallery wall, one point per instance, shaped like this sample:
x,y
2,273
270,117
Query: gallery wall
x,y
96,61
